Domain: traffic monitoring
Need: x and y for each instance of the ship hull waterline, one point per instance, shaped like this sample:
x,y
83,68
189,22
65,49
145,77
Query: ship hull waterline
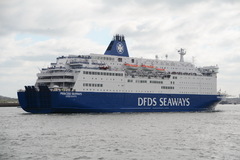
x,y
102,102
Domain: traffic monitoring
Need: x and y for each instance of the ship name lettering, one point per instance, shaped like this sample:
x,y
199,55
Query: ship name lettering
x,y
154,102
70,94
174,102
146,101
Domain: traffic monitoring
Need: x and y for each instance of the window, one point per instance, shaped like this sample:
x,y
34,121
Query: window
x,y
100,73
130,80
92,85
157,82
119,59
141,81
167,87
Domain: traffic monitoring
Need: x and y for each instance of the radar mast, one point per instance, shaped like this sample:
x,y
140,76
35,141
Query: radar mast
x,y
182,52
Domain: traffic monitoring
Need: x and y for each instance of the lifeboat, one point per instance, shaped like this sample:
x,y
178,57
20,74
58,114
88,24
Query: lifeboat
x,y
160,70
147,68
131,66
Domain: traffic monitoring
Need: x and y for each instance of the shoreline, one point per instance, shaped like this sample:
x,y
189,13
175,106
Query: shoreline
x,y
9,104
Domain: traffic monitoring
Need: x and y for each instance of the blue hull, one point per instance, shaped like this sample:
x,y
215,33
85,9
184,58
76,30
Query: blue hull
x,y
89,102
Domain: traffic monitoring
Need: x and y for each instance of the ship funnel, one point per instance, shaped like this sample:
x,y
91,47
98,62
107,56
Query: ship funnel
x,y
182,52
117,47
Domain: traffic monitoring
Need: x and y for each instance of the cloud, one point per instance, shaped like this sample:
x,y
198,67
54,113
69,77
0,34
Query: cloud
x,y
34,33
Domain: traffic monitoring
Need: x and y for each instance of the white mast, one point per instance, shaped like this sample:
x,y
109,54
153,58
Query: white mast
x,y
182,52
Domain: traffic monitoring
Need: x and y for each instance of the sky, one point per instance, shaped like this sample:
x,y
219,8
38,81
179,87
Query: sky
x,y
34,33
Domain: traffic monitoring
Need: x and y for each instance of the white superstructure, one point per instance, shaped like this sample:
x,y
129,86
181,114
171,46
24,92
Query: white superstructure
x,y
108,73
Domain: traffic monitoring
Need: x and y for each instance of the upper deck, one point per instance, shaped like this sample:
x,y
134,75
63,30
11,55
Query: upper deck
x,y
65,72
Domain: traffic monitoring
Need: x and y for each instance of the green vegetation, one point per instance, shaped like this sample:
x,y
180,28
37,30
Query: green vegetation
x,y
8,100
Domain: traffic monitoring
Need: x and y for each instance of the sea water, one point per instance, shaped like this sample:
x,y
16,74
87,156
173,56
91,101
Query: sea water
x,y
121,136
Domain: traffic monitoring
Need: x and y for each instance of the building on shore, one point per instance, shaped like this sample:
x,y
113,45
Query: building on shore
x,y
232,100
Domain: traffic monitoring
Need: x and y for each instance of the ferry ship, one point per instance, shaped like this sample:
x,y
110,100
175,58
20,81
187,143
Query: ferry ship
x,y
116,82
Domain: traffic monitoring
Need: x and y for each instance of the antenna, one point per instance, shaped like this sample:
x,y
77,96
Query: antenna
x,y
39,69
182,52
193,59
